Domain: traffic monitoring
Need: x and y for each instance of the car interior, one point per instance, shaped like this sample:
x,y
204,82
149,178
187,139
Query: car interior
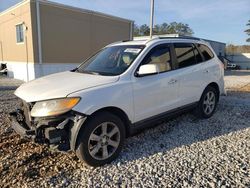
x,y
161,58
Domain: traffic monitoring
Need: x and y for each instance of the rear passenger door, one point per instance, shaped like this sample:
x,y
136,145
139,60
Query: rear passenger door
x,y
189,70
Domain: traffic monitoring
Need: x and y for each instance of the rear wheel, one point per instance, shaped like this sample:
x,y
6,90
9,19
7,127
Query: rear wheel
x,y
101,139
208,103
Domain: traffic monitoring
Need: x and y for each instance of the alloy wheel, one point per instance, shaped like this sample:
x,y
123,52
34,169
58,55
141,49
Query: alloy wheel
x,y
104,140
209,102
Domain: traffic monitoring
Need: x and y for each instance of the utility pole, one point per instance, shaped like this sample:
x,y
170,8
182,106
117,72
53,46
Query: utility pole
x,y
152,18
25,28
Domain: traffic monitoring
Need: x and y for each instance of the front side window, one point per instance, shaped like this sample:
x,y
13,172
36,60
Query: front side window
x,y
112,60
184,54
206,52
19,33
159,56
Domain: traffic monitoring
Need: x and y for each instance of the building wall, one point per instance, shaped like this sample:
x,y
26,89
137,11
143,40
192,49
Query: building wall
x,y
11,52
50,68
34,30
70,36
21,70
218,47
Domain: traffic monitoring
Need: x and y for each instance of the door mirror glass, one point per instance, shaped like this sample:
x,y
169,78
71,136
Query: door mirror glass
x,y
148,69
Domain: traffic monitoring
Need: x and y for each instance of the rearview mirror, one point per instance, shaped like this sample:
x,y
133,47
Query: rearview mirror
x,y
148,69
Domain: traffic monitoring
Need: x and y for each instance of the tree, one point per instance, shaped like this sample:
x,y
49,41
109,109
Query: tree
x,y
236,49
136,30
144,30
164,28
248,31
157,29
160,29
179,28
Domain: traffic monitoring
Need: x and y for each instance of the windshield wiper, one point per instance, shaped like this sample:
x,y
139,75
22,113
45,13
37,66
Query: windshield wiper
x,y
74,70
94,73
107,74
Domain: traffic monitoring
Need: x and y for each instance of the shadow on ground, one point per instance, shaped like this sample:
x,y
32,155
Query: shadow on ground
x,y
187,130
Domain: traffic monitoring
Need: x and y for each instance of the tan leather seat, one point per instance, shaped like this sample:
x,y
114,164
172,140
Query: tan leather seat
x,y
161,62
127,59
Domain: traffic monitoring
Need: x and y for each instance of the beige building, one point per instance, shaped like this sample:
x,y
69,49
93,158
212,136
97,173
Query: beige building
x,y
38,37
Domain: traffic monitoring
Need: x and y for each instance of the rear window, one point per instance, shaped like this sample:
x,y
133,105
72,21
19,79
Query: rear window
x,y
206,52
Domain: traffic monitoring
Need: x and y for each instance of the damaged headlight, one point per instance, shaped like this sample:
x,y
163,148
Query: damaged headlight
x,y
53,107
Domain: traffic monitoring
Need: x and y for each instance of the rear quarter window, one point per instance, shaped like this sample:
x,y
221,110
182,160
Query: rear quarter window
x,y
205,51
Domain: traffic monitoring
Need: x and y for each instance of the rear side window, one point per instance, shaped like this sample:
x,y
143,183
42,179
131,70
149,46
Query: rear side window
x,y
184,54
206,52
197,56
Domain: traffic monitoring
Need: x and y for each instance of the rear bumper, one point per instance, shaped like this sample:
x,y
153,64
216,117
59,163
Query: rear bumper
x,y
223,91
221,82
59,133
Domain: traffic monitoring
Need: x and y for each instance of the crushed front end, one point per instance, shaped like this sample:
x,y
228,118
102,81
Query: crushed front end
x,y
58,132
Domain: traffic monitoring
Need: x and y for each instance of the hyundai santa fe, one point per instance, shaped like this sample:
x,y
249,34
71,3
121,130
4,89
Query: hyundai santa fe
x,y
122,88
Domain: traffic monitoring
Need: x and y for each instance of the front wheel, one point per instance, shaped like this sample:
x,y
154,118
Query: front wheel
x,y
100,140
208,103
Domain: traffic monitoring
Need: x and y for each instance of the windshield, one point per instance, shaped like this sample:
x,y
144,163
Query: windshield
x,y
111,60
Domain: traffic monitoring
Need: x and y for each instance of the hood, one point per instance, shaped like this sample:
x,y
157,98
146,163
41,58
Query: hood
x,y
60,85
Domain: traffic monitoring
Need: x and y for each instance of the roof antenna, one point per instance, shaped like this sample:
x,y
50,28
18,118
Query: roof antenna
x,y
152,19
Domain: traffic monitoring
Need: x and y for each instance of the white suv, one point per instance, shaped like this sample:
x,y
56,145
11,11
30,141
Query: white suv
x,y
122,88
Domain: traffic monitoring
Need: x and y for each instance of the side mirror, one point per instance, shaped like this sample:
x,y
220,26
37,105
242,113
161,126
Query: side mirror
x,y
148,69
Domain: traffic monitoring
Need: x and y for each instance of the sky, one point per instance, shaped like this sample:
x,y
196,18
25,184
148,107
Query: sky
x,y
220,20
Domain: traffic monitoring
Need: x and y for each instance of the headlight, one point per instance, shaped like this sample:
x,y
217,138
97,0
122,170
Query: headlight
x,y
53,107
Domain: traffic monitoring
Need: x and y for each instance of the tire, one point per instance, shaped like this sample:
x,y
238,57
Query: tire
x,y
97,145
208,103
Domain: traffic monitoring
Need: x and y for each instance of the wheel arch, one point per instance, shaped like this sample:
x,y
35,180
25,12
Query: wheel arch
x,y
111,109
119,113
216,87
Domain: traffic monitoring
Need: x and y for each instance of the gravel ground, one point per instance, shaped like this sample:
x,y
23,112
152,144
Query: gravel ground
x,y
8,84
184,152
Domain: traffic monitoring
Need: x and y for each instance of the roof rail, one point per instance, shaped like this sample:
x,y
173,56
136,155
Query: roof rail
x,y
179,37
167,36
154,37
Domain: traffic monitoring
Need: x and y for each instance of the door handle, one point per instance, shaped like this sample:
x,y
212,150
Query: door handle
x,y
172,81
206,71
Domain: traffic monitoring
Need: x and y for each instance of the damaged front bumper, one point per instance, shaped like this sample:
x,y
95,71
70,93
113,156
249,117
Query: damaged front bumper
x,y
59,133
